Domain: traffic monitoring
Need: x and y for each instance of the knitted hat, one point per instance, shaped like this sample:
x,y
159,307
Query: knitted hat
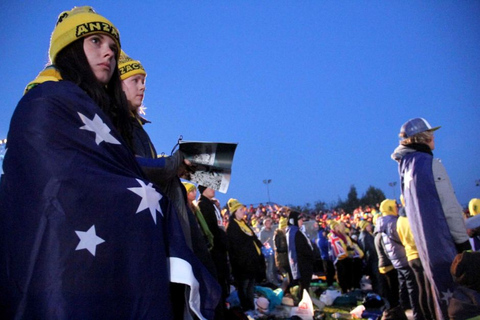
x,y
78,23
332,224
234,205
201,189
129,67
282,223
189,186
388,207
474,206
464,269
415,126
293,218
363,224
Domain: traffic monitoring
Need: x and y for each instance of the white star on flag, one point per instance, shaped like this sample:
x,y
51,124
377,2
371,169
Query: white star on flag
x,y
2,156
407,178
102,131
447,296
150,199
88,240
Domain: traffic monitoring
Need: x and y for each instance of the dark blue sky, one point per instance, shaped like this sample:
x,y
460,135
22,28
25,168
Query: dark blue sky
x,y
314,92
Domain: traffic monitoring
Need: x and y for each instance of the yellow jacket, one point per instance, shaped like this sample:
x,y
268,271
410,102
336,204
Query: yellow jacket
x,y
406,236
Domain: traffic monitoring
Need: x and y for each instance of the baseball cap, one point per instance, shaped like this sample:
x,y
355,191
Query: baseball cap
x,y
414,126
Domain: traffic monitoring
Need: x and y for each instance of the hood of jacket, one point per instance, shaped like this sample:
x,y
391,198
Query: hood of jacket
x,y
400,152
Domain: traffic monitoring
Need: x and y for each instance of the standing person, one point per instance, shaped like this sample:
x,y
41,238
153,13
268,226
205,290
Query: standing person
x,y
191,197
209,206
366,242
341,259
389,278
432,208
424,288
245,254
163,171
300,253
324,247
387,227
82,232
266,235
281,249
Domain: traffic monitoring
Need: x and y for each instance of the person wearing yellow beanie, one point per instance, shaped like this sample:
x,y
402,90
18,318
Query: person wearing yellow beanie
x,y
78,23
474,206
191,196
389,207
246,258
89,231
281,248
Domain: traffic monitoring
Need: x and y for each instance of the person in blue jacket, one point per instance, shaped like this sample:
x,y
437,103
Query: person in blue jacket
x,y
324,246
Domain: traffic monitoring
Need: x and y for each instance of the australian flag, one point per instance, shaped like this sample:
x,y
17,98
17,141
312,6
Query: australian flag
x,y
432,236
83,234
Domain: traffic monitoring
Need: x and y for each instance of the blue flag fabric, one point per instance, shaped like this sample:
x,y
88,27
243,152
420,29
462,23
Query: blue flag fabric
x,y
292,251
432,236
83,234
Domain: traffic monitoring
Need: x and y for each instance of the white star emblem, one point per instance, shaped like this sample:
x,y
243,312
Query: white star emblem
x,y
407,178
102,131
447,296
2,156
88,240
150,199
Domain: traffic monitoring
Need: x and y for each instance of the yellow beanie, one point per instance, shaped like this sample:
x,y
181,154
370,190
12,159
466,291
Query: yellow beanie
x,y
363,224
129,67
388,207
282,222
78,23
233,205
189,186
474,206
332,224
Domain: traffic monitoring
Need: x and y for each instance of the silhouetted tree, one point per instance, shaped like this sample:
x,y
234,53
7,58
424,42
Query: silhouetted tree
x,y
372,196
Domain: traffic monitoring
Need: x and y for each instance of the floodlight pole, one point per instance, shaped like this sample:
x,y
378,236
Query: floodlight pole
x,y
267,182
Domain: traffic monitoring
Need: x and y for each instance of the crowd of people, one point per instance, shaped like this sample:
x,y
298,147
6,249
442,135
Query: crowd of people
x,y
95,225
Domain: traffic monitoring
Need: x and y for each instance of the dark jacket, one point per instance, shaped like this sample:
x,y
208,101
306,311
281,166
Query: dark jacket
x,y
281,249
245,260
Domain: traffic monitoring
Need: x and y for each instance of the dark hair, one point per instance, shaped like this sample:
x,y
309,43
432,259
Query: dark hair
x,y
73,65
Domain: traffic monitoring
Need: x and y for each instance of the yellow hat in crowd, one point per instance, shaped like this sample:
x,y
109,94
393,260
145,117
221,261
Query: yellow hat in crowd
x,y
363,224
282,223
189,186
129,67
233,205
332,224
388,207
78,23
474,206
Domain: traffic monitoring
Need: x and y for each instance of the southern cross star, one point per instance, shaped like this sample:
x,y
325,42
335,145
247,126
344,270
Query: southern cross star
x,y
150,199
447,296
88,240
407,178
102,131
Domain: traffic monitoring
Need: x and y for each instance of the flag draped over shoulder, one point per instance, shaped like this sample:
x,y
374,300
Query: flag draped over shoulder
x,y
83,235
432,236
292,251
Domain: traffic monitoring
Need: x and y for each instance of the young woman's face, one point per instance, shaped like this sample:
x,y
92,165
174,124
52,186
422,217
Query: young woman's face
x,y
240,213
134,88
192,195
101,51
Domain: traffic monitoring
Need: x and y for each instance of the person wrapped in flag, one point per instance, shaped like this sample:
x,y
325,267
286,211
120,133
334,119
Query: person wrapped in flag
x,y
432,209
83,233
